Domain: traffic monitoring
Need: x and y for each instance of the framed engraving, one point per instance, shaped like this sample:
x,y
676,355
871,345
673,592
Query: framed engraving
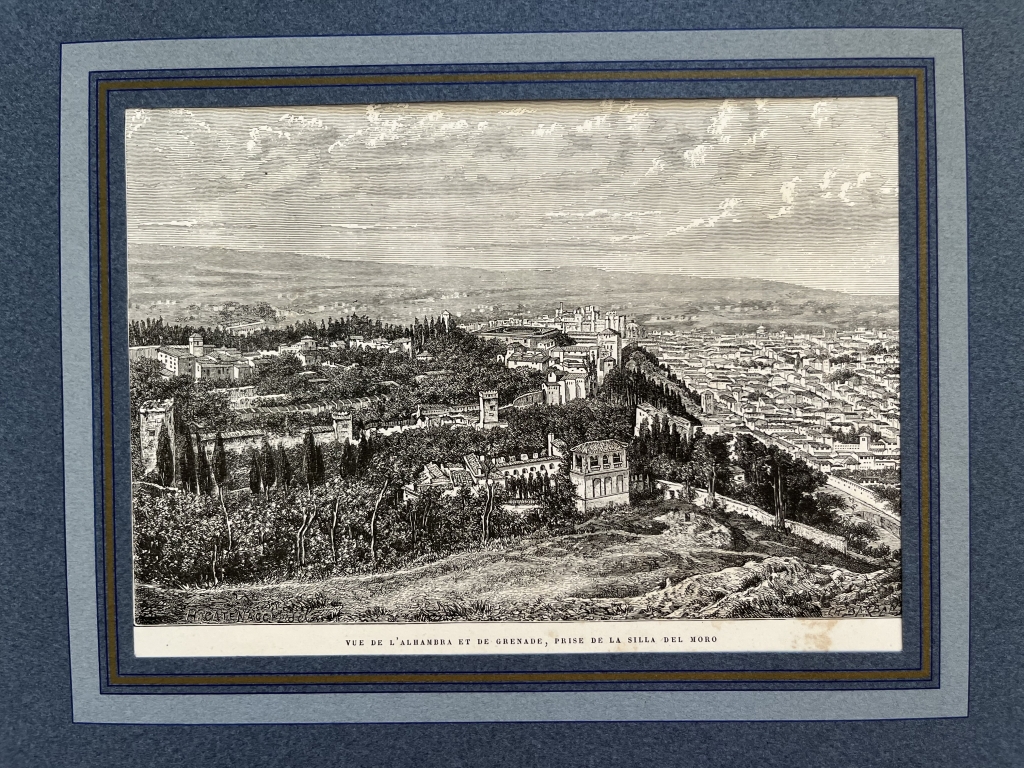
x,y
523,374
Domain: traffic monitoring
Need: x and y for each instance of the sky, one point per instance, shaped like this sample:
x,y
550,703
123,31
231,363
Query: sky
x,y
798,190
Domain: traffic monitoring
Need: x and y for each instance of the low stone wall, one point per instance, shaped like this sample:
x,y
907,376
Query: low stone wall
x,y
739,507
700,496
238,442
528,399
820,537
876,513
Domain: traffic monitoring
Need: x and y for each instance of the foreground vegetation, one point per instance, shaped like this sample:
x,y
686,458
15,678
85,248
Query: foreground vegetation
x,y
653,560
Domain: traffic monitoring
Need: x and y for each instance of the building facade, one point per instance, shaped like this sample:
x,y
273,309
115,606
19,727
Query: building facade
x,y
600,472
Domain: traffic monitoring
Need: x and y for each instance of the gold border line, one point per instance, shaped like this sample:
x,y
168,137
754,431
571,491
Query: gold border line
x,y
113,675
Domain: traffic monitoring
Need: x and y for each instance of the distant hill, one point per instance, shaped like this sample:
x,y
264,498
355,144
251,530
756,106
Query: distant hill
x,y
192,276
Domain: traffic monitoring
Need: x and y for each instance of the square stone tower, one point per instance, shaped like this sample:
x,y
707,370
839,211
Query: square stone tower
x,y
152,415
488,409
342,426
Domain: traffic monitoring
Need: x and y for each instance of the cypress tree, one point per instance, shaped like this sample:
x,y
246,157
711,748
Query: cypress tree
x,y
319,469
269,468
186,461
309,460
284,468
164,458
220,477
255,475
220,464
204,482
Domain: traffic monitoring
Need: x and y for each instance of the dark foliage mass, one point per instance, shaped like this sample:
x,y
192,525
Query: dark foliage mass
x,y
304,509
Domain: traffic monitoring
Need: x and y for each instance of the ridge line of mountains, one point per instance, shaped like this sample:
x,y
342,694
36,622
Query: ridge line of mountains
x,y
392,290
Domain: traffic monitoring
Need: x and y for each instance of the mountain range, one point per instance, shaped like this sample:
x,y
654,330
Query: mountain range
x,y
189,284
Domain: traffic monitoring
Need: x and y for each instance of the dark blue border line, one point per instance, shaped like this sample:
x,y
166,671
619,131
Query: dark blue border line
x,y
610,80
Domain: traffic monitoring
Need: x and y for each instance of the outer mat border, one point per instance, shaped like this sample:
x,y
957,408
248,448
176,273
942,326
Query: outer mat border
x,y
943,47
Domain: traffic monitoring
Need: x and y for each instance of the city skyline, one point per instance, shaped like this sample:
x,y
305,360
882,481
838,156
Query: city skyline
x,y
801,191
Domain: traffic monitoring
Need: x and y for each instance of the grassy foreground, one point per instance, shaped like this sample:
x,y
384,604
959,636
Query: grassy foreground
x,y
659,561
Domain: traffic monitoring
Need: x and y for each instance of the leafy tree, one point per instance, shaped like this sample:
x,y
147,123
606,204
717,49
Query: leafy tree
x,y
779,482
176,540
387,474
313,475
558,506
891,494
711,457
352,502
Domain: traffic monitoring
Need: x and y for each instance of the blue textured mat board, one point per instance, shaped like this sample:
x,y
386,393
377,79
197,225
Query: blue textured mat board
x,y
37,728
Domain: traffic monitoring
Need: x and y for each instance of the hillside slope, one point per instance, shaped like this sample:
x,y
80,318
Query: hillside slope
x,y
652,563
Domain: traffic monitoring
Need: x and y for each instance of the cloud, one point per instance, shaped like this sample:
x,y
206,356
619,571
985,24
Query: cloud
x,y
592,124
657,166
518,111
133,120
384,128
727,113
761,104
257,136
306,123
843,189
698,155
757,136
826,181
601,212
175,223
725,208
783,211
862,177
822,111
788,190
555,129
